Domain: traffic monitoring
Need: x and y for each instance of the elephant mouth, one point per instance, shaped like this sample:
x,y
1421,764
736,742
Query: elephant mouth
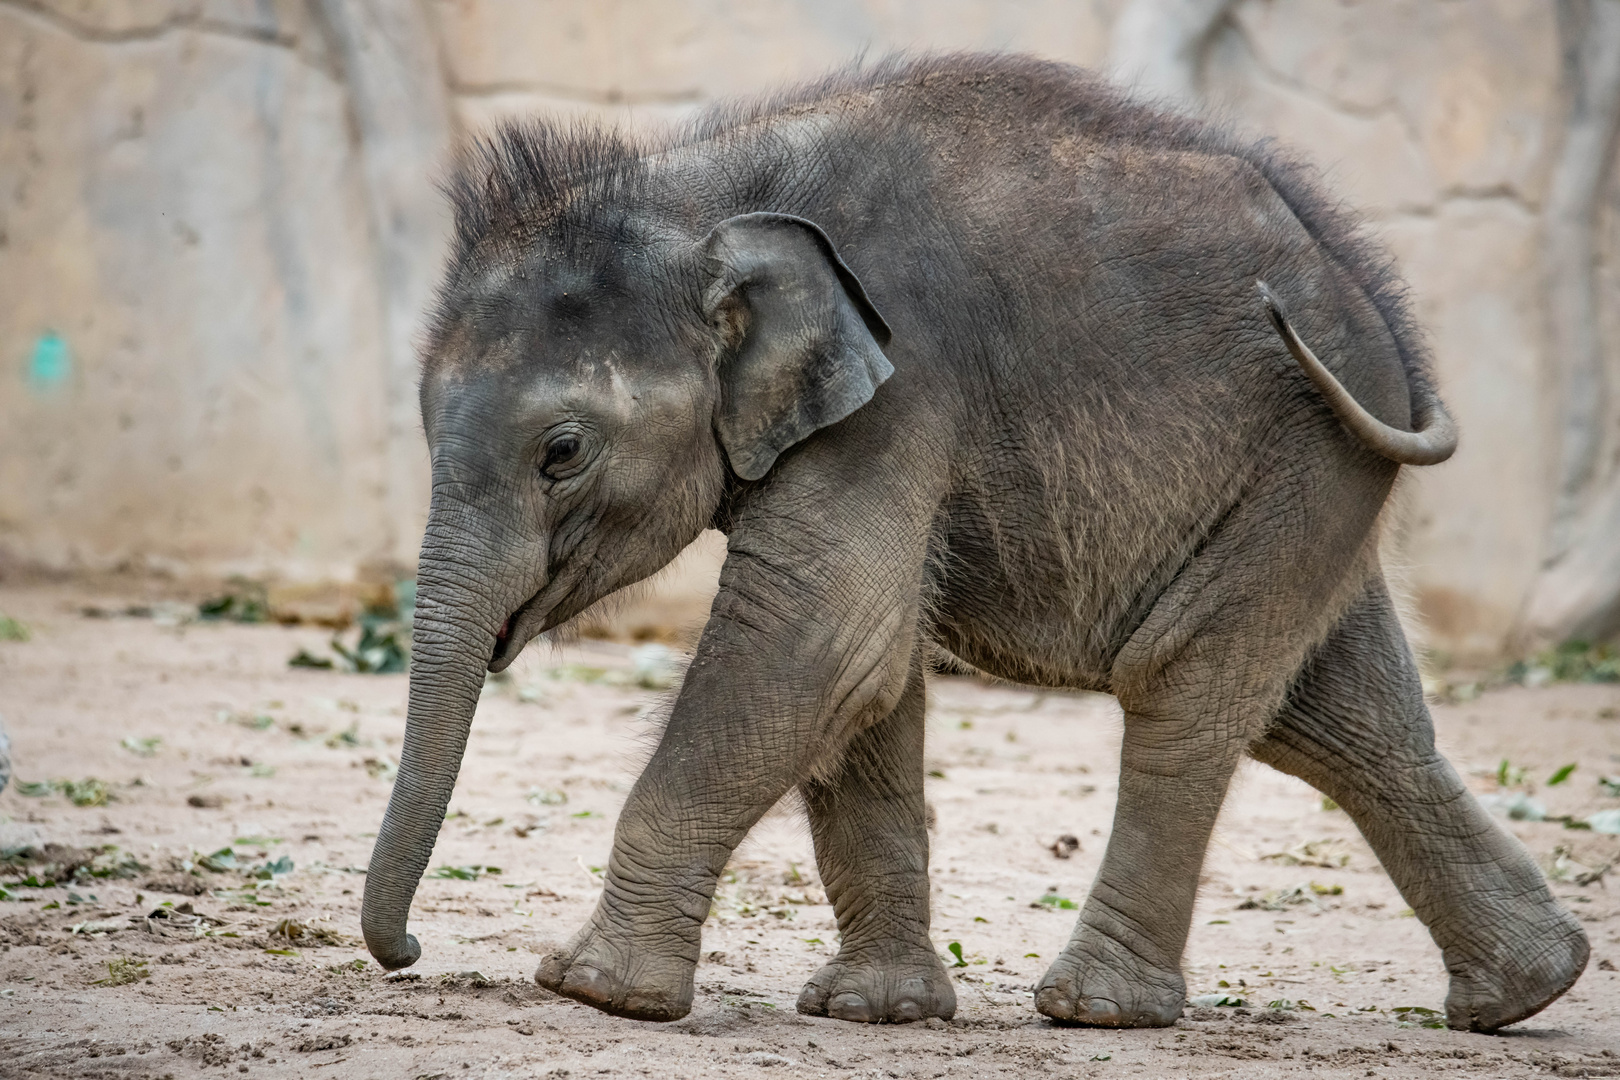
x,y
557,601
517,631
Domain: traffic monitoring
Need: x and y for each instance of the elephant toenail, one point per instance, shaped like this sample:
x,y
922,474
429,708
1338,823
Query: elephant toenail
x,y
1102,1011
653,1005
551,971
906,1011
587,984
850,1006
813,1000
1050,1001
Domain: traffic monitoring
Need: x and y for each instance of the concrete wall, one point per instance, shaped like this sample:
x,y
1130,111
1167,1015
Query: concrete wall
x,y
218,208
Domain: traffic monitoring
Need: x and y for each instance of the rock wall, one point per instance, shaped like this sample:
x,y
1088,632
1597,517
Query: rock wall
x,y
216,234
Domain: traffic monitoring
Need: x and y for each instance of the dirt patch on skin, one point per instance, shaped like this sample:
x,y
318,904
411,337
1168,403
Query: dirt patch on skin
x,y
108,971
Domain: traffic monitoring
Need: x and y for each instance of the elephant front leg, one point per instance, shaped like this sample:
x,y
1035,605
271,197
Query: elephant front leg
x,y
869,821
749,725
636,956
809,640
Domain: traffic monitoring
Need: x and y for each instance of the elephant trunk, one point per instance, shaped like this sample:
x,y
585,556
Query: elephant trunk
x,y
453,640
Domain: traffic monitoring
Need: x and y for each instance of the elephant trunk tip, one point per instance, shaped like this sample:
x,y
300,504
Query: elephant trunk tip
x,y
396,954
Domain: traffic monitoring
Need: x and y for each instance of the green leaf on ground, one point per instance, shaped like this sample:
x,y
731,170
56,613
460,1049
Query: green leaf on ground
x,y
348,737
462,873
1561,775
1573,661
1510,775
1213,1001
86,792
274,869
1419,1016
243,602
955,949
124,970
218,861
384,647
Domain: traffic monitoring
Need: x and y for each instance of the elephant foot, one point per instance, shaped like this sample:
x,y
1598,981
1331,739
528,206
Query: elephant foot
x,y
1500,979
1099,983
622,979
881,989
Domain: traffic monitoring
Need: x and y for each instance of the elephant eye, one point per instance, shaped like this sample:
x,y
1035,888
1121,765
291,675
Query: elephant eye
x,y
561,452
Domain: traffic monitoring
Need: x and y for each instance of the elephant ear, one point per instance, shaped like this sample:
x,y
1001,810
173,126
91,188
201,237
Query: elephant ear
x,y
803,346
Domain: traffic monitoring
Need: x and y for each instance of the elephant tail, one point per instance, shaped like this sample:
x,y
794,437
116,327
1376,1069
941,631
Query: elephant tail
x,y
1435,439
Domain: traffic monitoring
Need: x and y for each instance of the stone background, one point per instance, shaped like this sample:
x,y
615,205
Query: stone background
x,y
217,229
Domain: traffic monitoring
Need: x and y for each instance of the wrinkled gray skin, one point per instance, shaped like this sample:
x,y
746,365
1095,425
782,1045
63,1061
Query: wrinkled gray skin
x,y
1084,458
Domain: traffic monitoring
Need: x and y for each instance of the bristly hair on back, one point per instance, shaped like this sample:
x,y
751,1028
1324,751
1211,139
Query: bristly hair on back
x,y
526,176
523,175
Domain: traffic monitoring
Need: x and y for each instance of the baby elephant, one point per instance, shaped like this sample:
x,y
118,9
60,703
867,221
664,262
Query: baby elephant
x,y
965,355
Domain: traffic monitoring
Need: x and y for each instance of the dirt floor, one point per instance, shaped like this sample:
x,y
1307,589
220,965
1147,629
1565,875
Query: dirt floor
x,y
115,976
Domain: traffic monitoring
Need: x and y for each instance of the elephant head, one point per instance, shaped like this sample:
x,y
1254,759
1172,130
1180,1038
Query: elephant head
x,y
589,392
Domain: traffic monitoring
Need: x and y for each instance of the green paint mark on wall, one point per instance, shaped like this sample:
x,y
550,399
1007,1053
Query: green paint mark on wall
x,y
51,364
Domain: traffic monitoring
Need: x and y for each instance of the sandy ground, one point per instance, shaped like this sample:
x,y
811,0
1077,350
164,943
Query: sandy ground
x,y
278,759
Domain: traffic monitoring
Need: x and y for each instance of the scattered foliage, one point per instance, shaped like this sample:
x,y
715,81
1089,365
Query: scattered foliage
x,y
1418,1016
244,602
384,647
1290,1004
309,934
124,970
1563,866
1213,1001
1573,661
12,630
250,720
86,792
1323,853
141,747
1509,775
348,737
1282,899
273,869
463,873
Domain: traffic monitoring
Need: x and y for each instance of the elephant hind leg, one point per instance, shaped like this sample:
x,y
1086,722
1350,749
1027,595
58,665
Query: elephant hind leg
x,y
869,825
1356,728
